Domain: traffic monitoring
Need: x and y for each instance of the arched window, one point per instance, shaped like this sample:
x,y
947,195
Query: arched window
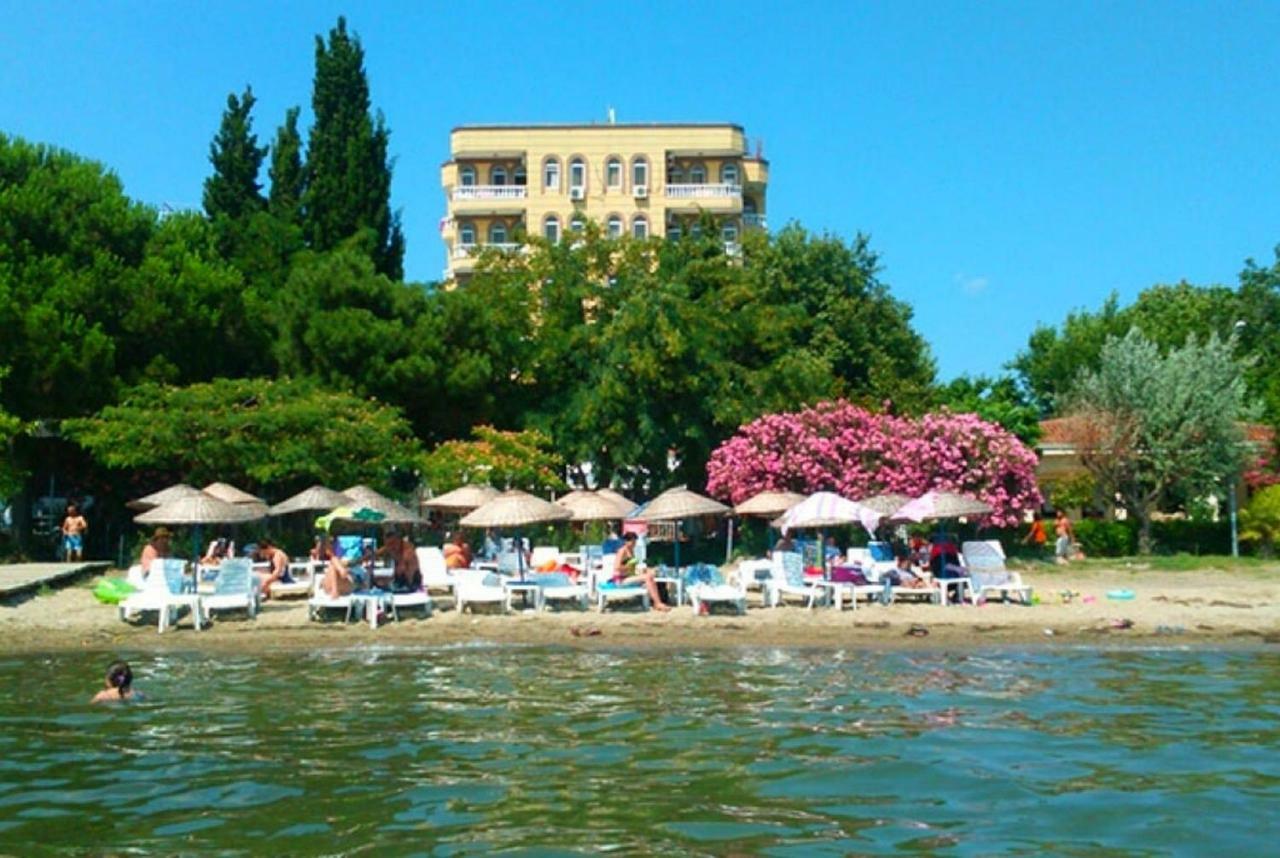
x,y
673,230
467,234
640,227
518,177
577,224
467,176
551,229
640,172
675,174
729,173
497,232
697,175
497,175
551,174
613,174
577,173
615,226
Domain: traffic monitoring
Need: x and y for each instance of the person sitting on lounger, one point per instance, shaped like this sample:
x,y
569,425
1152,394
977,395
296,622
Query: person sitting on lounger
x,y
408,574
155,549
457,555
338,580
905,574
278,568
784,543
627,571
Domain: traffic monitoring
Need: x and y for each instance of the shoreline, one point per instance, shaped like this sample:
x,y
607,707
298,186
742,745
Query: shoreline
x,y
1200,608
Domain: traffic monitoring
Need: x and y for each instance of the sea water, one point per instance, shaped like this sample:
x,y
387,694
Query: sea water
x,y
474,750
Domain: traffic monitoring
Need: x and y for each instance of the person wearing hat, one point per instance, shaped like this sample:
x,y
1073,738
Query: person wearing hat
x,y
156,547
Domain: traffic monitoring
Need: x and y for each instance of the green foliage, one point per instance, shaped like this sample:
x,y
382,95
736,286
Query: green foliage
x,y
348,188
273,436
233,191
1259,308
997,401
288,180
1151,426
1103,538
1260,520
1075,491
507,460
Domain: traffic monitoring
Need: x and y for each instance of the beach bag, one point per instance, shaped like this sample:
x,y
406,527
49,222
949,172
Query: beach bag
x,y
848,575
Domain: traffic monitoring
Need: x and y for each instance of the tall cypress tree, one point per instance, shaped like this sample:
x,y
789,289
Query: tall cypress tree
x,y
348,177
233,190
286,172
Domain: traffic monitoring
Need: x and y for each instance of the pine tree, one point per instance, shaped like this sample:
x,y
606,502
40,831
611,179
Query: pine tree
x,y
287,177
233,190
348,177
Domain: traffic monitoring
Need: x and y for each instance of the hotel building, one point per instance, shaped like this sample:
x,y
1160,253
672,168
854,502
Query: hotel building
x,y
505,182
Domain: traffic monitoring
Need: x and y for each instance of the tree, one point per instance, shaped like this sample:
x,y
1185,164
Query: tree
x,y
1149,426
837,446
348,175
1258,298
997,401
288,179
272,436
233,191
508,460
1260,520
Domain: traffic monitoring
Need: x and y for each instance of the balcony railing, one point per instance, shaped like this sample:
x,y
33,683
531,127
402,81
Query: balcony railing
x,y
466,251
754,220
692,192
490,192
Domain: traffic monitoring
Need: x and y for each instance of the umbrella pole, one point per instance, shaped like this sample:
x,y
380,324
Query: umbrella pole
x,y
728,548
519,556
676,536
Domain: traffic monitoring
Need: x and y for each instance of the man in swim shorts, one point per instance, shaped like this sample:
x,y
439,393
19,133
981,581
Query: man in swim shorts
x,y
73,528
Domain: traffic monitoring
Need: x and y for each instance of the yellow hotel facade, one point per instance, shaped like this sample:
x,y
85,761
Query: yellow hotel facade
x,y
504,182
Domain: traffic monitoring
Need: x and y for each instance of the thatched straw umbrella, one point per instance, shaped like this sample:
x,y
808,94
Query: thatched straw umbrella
x,y
393,512
766,504
200,509
677,504
312,499
513,510
462,499
162,497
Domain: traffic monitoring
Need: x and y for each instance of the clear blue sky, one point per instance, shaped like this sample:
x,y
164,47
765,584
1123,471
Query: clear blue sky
x,y
1010,161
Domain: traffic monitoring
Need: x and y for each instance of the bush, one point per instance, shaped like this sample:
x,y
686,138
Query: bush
x,y
1191,536
1101,538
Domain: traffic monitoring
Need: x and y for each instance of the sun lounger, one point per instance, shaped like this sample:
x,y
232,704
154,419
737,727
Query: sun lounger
x,y
559,587
608,592
478,586
234,588
988,574
163,591
302,572
706,586
435,575
787,578
321,601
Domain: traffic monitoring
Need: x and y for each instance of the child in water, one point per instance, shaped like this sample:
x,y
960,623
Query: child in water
x,y
119,684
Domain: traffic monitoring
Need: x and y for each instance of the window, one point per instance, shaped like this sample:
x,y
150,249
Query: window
x,y
615,226
577,224
613,173
640,172
518,177
729,174
467,234
749,206
497,175
640,227
551,229
497,233
695,230
551,175
467,175
675,175
729,233
697,175
673,231
577,173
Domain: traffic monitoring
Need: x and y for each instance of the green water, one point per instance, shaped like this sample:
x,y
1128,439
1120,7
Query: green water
x,y
770,752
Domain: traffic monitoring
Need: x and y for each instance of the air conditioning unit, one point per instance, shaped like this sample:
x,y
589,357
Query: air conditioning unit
x,y
578,193
640,191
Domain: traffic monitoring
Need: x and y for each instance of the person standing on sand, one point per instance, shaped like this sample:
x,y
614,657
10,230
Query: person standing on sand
x,y
1066,536
73,528
1036,536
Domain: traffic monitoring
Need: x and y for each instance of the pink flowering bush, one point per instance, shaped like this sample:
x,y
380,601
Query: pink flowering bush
x,y
837,446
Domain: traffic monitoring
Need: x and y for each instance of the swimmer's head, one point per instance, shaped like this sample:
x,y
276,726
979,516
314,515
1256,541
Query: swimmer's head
x,y
119,676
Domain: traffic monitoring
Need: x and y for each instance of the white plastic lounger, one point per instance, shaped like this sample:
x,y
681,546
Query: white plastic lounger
x,y
478,586
321,601
988,574
302,572
235,588
559,587
608,592
435,575
162,592
412,599
787,579
716,591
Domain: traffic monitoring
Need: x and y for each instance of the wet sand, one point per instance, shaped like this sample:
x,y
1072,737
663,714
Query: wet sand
x,y
1204,607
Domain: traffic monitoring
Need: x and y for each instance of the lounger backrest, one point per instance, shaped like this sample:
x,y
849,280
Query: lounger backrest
x,y
792,568
431,562
234,577
984,555
881,552
170,573
509,563
543,553
348,546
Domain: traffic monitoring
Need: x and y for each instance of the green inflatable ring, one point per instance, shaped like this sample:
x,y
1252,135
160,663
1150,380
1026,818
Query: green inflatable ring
x,y
1120,595
111,591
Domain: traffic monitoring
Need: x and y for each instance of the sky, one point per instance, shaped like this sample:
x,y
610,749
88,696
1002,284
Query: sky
x,y
1010,162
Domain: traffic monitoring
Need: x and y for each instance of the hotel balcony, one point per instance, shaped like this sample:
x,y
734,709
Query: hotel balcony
x,y
470,251
721,198
479,199
754,221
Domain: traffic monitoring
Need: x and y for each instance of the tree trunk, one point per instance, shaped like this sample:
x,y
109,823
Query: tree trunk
x,y
1144,535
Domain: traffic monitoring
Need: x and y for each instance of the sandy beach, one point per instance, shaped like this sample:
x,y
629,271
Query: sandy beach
x,y
1198,607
